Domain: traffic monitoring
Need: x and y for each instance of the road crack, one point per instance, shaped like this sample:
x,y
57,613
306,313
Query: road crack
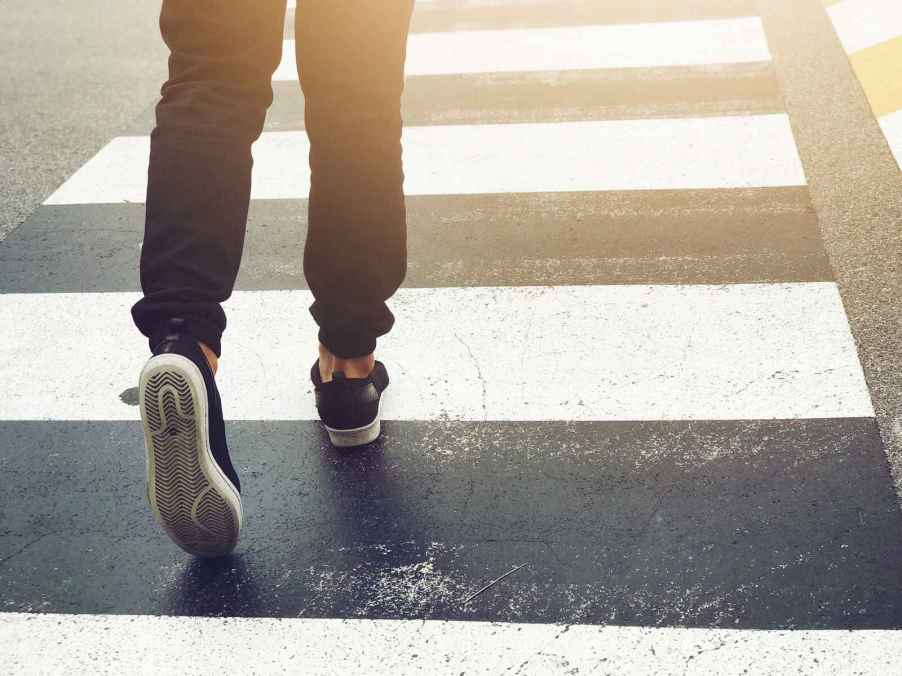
x,y
479,373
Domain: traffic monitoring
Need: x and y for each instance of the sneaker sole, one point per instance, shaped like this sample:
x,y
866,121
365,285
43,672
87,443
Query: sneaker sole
x,y
191,497
357,436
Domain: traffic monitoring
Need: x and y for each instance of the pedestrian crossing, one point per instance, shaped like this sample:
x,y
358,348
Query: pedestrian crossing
x,y
435,16
760,349
568,48
619,357
560,157
382,646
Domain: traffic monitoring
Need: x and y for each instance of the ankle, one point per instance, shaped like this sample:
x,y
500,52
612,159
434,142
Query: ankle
x,y
355,367
212,359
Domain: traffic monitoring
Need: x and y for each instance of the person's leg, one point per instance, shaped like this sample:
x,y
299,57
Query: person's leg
x,y
350,57
223,54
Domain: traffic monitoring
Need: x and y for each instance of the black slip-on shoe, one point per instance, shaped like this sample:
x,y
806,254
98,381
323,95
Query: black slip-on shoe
x,y
350,408
192,487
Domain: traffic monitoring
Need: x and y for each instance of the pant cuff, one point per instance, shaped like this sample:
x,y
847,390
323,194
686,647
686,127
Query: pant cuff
x,y
203,330
347,345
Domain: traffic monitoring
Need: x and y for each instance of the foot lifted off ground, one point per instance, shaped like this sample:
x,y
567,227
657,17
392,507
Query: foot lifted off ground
x,y
191,498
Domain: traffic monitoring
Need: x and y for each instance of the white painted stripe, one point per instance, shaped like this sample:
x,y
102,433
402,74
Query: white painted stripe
x,y
715,152
864,23
498,353
129,644
892,128
675,43
118,173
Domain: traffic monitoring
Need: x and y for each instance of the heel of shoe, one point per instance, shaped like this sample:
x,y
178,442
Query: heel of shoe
x,y
350,410
355,437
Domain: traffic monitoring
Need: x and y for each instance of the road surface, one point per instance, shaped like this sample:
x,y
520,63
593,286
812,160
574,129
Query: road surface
x,y
648,346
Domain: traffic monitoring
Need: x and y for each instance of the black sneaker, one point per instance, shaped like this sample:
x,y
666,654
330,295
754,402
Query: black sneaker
x,y
192,487
350,408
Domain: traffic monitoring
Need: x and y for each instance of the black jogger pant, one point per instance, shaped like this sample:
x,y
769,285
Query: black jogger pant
x,y
350,56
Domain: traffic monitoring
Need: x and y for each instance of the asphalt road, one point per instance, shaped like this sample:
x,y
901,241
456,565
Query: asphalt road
x,y
75,73
709,437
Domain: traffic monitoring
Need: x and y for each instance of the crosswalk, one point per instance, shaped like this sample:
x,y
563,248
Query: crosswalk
x,y
620,358
560,157
157,644
566,48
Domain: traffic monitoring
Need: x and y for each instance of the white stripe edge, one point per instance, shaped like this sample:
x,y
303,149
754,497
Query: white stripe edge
x,y
142,644
590,353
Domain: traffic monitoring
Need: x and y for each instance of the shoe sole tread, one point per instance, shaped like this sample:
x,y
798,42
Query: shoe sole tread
x,y
191,498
